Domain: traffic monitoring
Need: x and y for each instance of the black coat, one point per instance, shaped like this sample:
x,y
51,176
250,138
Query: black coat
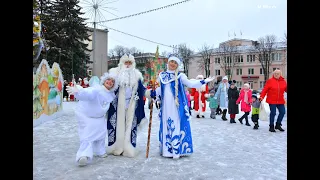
x,y
233,95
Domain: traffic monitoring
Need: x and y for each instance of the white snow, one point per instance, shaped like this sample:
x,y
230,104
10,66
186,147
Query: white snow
x,y
222,151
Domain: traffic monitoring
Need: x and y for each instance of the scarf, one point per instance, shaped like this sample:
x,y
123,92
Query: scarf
x,y
246,96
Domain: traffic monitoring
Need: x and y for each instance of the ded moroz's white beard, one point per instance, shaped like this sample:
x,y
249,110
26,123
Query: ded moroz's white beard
x,y
127,76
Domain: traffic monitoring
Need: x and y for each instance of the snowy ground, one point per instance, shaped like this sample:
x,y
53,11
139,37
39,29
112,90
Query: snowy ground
x,y
222,151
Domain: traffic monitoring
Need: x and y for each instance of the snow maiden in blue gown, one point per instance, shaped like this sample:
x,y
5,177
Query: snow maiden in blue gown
x,y
175,132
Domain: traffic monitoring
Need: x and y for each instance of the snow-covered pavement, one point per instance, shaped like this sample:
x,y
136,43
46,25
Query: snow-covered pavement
x,y
222,151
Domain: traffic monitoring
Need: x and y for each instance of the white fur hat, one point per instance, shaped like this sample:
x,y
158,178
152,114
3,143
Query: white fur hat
x,y
176,59
127,57
246,85
106,76
225,77
200,77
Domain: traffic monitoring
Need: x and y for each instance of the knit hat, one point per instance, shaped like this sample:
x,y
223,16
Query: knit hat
x,y
255,96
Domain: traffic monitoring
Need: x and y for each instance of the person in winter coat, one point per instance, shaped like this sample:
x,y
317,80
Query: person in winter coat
x,y
189,100
216,85
246,99
233,95
222,96
65,92
213,104
274,90
94,102
255,111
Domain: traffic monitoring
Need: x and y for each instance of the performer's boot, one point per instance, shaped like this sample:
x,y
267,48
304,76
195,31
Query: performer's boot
x,y
198,116
271,129
83,161
232,120
256,125
278,126
247,123
224,113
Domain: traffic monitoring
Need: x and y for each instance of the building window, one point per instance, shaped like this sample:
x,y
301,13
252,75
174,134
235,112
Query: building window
x,y
261,71
241,58
278,57
217,60
217,72
250,71
273,57
250,58
239,84
228,72
239,71
262,84
251,84
274,69
228,60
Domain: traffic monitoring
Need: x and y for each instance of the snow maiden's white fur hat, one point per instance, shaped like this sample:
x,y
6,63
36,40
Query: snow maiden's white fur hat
x,y
106,76
127,57
174,58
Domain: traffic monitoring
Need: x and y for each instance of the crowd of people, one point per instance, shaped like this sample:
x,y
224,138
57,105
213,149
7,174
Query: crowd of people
x,y
113,109
225,98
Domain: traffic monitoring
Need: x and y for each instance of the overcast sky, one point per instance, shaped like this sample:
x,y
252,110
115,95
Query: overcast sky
x,y
194,22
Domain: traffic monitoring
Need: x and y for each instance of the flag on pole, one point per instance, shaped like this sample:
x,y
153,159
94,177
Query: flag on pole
x,y
240,33
228,34
234,33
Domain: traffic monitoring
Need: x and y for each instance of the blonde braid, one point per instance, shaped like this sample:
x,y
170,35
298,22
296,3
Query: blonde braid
x,y
176,87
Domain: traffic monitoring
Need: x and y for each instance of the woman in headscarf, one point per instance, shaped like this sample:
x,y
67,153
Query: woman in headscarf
x,y
222,95
274,89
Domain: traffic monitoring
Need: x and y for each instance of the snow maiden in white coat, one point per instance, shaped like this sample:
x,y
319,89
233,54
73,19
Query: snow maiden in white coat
x,y
90,112
222,95
126,112
175,132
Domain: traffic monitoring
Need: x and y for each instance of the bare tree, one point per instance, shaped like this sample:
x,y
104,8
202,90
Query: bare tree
x,y
132,50
263,49
185,53
119,51
111,53
204,62
228,57
165,53
285,57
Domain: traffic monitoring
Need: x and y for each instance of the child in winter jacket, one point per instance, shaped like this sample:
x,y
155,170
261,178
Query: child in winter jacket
x,y
245,98
255,111
213,104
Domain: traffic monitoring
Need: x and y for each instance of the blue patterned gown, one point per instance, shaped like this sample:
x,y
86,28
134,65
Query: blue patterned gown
x,y
175,132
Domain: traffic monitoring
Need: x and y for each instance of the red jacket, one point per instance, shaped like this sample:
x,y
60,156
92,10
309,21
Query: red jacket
x,y
244,106
274,89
